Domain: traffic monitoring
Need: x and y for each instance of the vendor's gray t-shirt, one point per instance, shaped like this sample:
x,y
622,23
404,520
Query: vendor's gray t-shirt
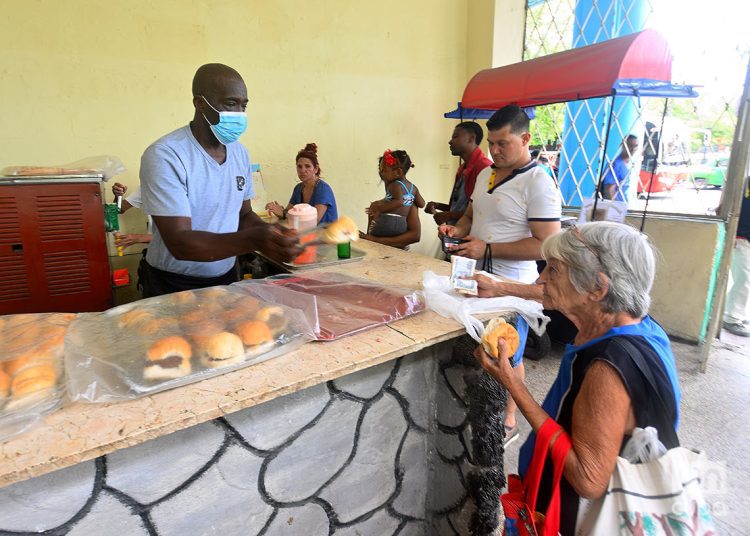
x,y
179,178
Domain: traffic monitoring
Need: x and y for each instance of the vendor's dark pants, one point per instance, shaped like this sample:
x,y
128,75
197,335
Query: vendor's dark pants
x,y
158,282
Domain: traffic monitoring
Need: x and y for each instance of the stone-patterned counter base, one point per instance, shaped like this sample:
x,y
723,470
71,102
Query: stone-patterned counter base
x,y
387,450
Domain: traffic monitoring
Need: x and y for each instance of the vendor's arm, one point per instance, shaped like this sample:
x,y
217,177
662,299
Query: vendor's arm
x,y
411,236
602,414
186,244
248,217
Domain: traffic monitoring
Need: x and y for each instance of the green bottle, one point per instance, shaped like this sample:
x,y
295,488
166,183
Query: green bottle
x,y
344,250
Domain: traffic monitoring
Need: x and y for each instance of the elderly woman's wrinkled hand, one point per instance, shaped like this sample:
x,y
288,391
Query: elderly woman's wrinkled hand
x,y
499,368
487,287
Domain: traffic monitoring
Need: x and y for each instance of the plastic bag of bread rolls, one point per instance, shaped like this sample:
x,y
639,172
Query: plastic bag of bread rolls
x,y
31,368
168,341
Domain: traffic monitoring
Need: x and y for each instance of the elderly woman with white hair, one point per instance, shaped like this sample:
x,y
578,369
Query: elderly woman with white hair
x,y
599,275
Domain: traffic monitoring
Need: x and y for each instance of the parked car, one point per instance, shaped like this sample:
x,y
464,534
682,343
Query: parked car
x,y
665,178
712,174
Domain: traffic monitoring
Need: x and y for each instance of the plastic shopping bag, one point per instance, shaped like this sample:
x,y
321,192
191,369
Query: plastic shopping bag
x,y
445,301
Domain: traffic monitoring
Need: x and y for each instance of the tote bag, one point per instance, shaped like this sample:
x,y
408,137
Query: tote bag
x,y
659,497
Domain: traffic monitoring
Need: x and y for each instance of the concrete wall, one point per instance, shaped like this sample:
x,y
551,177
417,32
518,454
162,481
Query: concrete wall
x,y
388,450
687,255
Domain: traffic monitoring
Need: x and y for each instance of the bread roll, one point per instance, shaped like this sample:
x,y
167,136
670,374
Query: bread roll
x,y
33,379
183,298
496,329
256,336
222,349
167,359
4,384
160,326
342,230
133,318
274,317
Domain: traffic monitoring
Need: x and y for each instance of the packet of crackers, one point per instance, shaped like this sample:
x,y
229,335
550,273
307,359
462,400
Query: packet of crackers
x,y
31,368
461,269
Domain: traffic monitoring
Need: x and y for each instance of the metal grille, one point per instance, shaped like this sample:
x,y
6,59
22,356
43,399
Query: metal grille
x,y
67,272
60,217
696,134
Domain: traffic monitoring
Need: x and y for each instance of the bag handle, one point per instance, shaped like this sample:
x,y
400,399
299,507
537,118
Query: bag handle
x,y
559,453
487,264
645,370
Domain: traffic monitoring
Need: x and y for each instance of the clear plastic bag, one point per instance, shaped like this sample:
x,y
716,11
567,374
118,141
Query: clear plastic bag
x,y
168,341
106,165
643,446
445,301
31,368
338,304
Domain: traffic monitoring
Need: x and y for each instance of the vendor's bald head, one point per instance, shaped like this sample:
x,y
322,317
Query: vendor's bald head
x,y
212,77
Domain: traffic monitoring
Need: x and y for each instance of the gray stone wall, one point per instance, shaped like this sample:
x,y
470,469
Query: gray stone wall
x,y
388,450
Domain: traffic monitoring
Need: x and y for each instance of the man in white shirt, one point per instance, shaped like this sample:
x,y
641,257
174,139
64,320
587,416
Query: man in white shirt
x,y
514,207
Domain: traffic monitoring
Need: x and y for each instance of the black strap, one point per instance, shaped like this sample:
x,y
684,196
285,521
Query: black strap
x,y
665,425
488,258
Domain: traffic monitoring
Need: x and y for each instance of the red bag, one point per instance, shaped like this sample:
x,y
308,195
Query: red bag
x,y
519,503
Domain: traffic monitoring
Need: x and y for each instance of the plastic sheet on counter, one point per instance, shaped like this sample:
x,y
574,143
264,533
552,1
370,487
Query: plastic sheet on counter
x,y
168,341
31,368
106,165
338,304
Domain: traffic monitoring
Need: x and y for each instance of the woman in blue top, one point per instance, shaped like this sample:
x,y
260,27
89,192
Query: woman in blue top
x,y
311,190
618,374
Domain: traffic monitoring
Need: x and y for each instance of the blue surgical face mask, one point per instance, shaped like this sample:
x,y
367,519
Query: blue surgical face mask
x,y
230,127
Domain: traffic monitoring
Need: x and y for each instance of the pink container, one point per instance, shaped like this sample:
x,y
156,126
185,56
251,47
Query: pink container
x,y
304,217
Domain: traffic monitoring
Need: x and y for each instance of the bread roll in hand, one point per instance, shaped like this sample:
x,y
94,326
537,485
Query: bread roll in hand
x,y
496,329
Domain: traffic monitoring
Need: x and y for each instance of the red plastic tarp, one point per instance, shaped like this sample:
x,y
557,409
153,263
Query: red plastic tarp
x,y
580,73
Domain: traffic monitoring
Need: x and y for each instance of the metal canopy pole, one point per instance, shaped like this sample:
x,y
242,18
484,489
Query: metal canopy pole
x,y
730,211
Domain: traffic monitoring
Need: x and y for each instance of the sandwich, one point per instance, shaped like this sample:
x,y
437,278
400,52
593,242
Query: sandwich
x,y
167,359
496,329
222,350
256,336
342,230
164,326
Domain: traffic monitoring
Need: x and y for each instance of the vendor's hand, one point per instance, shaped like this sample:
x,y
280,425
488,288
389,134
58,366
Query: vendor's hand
x,y
274,208
275,241
473,248
441,218
364,236
119,189
499,368
446,230
430,207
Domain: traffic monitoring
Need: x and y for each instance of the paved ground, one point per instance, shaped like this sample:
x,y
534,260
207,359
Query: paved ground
x,y
715,417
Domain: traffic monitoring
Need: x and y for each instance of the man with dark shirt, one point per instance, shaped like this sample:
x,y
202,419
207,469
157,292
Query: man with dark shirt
x,y
464,143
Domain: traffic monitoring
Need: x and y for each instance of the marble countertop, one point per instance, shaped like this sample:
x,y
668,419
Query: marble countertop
x,y
81,432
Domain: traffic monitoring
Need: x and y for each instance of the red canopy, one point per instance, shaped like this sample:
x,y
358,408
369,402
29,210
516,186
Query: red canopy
x,y
580,73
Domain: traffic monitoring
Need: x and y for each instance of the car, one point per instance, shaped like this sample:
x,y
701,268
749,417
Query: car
x,y
711,174
665,178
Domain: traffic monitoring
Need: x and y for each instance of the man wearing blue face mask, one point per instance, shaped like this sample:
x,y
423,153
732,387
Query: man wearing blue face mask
x,y
197,186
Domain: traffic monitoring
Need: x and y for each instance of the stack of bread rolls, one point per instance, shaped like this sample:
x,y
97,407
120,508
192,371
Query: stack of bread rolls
x,y
208,329
31,349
